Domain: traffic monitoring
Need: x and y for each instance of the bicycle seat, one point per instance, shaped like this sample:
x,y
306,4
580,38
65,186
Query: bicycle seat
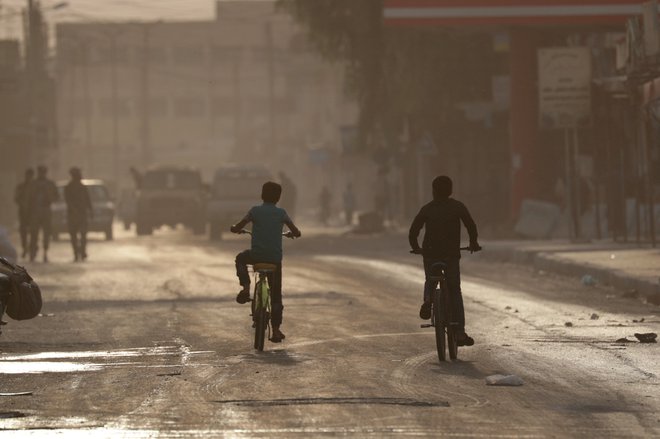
x,y
265,268
439,265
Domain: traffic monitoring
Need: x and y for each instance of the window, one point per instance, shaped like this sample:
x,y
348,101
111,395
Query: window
x,y
223,106
226,54
157,55
188,55
158,107
107,106
189,107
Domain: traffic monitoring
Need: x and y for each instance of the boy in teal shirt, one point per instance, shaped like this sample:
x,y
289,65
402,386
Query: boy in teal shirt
x,y
267,221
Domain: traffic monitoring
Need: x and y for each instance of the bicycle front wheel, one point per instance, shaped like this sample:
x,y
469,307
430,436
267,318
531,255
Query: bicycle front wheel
x,y
451,343
438,323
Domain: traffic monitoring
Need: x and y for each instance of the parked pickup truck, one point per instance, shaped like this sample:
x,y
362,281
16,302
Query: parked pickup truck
x,y
171,195
235,189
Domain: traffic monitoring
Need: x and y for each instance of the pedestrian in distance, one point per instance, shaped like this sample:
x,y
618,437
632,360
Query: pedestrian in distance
x,y
441,220
21,200
79,210
41,195
349,203
289,194
267,224
325,199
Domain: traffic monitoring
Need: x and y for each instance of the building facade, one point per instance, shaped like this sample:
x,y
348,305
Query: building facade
x,y
242,88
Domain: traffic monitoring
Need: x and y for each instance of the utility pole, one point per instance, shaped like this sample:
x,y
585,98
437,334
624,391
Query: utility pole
x,y
145,121
115,111
271,86
89,149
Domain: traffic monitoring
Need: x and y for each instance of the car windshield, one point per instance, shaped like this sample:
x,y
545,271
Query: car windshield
x,y
171,180
97,193
239,184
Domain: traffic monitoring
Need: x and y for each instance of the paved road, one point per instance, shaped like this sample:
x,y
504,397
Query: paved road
x,y
146,340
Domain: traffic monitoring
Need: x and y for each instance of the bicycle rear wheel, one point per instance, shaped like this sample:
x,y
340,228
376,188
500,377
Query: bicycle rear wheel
x,y
261,323
440,341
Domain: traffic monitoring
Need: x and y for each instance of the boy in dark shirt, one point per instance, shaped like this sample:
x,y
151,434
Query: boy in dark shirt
x,y
442,219
267,223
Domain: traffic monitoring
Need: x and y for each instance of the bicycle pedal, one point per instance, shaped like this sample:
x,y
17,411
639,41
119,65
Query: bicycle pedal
x,y
426,325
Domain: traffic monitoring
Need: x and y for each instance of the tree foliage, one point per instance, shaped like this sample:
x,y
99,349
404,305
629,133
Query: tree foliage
x,y
396,74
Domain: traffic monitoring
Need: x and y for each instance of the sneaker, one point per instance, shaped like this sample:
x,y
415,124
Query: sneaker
x,y
277,336
425,311
462,339
243,296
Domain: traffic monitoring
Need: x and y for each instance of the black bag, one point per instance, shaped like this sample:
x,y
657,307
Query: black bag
x,y
24,300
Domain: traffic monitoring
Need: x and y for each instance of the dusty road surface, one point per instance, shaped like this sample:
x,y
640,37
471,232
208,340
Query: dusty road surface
x,y
145,340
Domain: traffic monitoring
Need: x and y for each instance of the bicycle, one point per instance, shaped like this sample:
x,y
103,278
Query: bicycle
x,y
441,313
261,308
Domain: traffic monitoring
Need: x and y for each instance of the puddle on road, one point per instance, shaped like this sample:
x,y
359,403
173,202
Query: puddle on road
x,y
18,367
47,362
135,352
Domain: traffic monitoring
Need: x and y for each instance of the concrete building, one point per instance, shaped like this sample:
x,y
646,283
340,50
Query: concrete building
x,y
13,128
244,87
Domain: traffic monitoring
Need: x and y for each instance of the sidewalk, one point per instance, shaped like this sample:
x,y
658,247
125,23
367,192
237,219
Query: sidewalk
x,y
622,266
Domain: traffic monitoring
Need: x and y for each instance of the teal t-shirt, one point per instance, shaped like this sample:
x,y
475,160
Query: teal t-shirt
x,y
267,224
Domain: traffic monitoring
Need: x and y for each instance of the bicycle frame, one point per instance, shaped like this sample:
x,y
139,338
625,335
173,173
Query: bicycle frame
x,y
261,291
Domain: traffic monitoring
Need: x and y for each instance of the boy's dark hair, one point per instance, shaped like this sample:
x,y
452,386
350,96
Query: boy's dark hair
x,y
271,192
442,187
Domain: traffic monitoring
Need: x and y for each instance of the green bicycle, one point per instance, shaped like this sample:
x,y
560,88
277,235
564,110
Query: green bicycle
x,y
261,307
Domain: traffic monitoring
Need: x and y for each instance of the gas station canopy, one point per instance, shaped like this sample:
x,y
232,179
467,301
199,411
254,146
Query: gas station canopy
x,y
509,12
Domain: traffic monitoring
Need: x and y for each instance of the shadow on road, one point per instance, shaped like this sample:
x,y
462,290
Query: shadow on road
x,y
458,368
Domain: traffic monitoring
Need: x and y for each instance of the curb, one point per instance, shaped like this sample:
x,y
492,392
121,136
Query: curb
x,y
548,261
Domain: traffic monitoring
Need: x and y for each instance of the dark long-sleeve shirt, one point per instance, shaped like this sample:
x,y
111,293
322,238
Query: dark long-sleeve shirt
x,y
78,202
441,220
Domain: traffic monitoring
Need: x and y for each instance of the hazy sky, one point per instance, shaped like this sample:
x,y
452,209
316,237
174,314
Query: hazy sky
x,y
95,10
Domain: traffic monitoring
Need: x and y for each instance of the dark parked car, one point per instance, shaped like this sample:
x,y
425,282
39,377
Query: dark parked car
x,y
102,203
171,195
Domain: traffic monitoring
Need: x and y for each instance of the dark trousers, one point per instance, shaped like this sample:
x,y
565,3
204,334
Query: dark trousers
x,y
244,259
24,231
78,233
43,223
453,276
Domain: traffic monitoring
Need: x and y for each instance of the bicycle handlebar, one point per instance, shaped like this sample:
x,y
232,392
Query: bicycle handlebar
x,y
414,252
247,232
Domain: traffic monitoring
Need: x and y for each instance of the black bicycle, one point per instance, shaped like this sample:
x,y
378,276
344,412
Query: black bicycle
x,y
442,318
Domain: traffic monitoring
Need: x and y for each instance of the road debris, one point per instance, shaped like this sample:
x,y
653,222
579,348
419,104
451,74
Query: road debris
x,y
504,380
568,324
595,316
630,294
589,281
624,340
15,393
639,321
648,337
507,308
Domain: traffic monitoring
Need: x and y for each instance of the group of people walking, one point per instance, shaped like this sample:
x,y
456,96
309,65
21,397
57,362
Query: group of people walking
x,y
34,198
